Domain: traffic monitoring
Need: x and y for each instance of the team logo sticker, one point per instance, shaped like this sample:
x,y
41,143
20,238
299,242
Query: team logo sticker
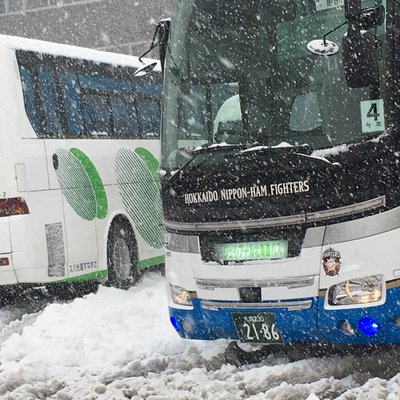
x,y
331,262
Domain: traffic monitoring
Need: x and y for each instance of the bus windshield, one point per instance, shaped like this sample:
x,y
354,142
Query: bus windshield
x,y
240,73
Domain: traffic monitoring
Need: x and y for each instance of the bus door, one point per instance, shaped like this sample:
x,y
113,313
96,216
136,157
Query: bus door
x,y
68,173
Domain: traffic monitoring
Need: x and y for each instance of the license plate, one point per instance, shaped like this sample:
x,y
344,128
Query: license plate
x,y
257,328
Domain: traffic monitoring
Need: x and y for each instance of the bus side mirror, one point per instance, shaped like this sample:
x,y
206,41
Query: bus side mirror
x,y
359,44
145,69
163,37
162,34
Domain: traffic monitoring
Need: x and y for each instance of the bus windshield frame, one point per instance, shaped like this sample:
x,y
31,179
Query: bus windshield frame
x,y
243,76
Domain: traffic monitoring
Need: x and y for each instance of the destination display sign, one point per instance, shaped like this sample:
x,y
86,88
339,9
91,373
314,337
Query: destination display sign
x,y
264,250
273,189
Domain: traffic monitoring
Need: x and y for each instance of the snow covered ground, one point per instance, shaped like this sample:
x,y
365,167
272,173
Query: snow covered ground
x,y
119,344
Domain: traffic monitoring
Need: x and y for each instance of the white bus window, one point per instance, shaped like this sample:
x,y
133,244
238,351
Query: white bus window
x,y
30,100
124,116
149,107
148,89
199,113
71,94
97,90
71,98
193,114
220,93
99,82
149,110
96,114
51,109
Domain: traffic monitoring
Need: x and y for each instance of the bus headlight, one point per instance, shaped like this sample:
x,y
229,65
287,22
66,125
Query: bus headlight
x,y
180,295
357,291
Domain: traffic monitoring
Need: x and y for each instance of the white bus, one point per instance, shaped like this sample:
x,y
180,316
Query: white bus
x,y
79,144
280,159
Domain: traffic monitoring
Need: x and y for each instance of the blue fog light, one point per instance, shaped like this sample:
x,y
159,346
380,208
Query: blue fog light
x,y
175,324
368,326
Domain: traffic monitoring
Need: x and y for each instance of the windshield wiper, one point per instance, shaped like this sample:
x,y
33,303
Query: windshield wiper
x,y
217,148
284,148
233,150
211,150
303,150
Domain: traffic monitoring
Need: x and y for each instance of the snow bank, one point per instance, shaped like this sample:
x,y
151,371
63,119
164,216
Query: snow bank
x,y
119,344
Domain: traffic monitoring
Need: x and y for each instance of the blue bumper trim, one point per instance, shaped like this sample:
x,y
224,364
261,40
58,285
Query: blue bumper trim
x,y
312,325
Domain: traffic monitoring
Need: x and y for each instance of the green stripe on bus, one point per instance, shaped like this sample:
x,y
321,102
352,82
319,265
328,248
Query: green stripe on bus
x,y
141,196
150,262
96,182
75,184
150,161
93,276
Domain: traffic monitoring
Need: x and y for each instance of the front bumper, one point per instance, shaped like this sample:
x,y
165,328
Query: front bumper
x,y
311,325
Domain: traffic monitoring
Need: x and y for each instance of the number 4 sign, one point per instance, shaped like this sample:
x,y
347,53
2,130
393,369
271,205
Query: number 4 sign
x,y
372,116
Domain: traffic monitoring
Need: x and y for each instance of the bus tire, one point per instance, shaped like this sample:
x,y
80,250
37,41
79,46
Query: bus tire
x,y
122,255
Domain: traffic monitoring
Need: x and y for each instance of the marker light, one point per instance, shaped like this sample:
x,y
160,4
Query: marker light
x,y
357,291
347,329
175,324
368,326
180,295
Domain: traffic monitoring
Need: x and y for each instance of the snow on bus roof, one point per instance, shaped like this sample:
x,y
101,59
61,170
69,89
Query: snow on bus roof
x,y
57,49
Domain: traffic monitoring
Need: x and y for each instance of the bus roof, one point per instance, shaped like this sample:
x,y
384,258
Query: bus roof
x,y
57,49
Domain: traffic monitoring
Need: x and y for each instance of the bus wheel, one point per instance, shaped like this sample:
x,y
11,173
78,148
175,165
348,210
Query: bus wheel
x,y
122,256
